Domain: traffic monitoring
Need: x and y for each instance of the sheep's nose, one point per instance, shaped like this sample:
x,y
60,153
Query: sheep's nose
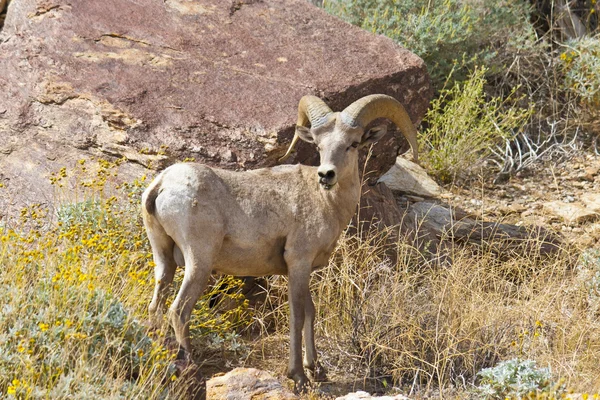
x,y
330,174
327,176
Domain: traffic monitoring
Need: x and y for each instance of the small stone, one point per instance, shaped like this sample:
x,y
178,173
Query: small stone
x,y
592,171
517,208
229,156
585,177
527,213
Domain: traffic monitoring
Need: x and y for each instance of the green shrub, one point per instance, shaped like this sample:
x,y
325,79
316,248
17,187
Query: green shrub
x,y
516,379
463,125
446,34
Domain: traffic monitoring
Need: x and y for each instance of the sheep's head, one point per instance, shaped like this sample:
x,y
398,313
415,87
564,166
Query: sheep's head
x,y
339,135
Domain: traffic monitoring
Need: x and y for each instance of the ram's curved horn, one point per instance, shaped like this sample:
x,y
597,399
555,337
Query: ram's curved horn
x,y
365,110
312,111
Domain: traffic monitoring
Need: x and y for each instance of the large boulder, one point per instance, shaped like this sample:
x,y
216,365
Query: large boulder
x,y
214,80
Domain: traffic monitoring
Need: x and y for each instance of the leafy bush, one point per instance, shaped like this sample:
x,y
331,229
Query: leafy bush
x,y
463,126
446,34
582,63
516,379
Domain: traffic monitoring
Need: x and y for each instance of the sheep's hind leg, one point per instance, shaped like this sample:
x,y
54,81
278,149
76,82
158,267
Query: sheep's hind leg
x,y
164,271
198,263
316,371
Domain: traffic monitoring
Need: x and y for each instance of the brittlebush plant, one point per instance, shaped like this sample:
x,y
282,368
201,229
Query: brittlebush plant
x,y
463,125
74,287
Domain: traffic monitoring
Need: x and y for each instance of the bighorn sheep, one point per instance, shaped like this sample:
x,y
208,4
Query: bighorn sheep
x,y
281,220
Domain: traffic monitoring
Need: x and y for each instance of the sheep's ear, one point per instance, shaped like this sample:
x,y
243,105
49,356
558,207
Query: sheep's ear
x,y
304,134
373,135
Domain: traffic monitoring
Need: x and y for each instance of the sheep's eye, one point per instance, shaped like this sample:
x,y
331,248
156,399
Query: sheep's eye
x,y
352,146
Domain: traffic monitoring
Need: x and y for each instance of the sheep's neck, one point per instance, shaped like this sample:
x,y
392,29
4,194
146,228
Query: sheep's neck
x,y
346,196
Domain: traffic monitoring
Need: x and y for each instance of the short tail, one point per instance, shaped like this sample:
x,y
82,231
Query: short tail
x,y
150,196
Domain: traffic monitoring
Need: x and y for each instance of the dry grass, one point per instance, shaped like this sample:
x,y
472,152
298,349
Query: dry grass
x,y
429,329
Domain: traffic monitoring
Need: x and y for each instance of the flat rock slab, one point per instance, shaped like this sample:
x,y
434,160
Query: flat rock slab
x,y
407,177
215,80
573,213
247,384
591,201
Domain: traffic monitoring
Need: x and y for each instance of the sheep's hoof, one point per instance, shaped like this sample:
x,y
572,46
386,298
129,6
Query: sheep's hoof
x,y
301,382
190,373
170,343
318,374
181,366
185,367
184,355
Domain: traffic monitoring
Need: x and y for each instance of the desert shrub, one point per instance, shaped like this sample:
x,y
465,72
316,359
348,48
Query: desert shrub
x,y
581,63
449,34
463,125
517,379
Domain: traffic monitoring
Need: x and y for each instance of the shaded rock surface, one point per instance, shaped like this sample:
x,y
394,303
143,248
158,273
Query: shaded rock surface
x,y
217,81
247,384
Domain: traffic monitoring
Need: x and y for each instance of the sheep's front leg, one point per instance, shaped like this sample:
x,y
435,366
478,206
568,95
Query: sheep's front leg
x,y
319,374
299,277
